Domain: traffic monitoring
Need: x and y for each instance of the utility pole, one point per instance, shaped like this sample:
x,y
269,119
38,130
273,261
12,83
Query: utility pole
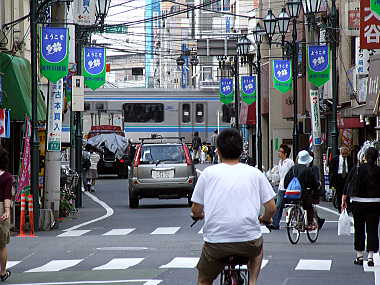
x,y
237,91
295,88
35,153
53,158
259,134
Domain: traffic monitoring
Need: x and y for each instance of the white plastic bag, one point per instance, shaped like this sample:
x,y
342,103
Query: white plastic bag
x,y
344,224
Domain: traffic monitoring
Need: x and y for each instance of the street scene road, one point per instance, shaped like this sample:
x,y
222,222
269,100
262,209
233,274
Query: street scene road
x,y
109,243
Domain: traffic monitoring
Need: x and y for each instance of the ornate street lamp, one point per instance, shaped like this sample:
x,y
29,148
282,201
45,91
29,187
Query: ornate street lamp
x,y
283,22
294,8
270,22
102,7
258,34
243,46
311,6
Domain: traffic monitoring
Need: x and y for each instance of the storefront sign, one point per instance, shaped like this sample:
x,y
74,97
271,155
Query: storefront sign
x,y
354,19
248,89
282,75
226,90
318,64
94,67
85,12
375,6
315,117
54,59
369,27
54,131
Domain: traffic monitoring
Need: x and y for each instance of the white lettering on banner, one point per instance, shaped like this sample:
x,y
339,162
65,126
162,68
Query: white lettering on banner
x,y
54,132
371,14
315,117
372,33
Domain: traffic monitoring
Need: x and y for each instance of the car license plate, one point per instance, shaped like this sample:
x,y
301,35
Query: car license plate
x,y
162,174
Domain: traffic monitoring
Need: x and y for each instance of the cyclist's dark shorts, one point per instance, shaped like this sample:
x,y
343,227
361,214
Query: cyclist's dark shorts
x,y
210,264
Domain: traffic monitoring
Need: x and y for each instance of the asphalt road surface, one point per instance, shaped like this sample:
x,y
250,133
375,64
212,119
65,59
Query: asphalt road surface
x,y
108,243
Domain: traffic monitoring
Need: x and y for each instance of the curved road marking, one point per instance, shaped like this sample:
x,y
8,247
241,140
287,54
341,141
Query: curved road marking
x,y
109,212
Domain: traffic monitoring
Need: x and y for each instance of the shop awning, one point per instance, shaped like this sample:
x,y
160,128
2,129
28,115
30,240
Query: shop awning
x,y
17,95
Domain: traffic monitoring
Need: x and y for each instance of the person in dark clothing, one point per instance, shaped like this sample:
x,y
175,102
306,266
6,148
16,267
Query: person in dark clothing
x,y
131,150
365,206
340,166
308,182
196,144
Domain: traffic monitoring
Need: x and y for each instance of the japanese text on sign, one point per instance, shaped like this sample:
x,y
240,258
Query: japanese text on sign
x,y
55,116
369,27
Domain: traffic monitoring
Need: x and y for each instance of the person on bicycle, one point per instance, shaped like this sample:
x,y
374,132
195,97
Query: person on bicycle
x,y
229,196
309,184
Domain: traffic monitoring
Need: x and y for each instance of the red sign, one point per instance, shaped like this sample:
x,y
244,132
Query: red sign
x,y
354,19
369,27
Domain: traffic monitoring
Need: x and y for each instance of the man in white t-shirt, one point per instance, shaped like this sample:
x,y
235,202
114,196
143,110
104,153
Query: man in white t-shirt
x,y
229,196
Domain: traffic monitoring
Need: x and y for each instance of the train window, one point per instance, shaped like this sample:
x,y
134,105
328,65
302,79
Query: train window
x,y
99,106
227,112
186,115
87,106
143,112
199,113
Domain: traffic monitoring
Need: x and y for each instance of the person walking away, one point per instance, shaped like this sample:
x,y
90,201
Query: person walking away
x,y
283,167
196,144
92,173
204,151
6,182
309,184
86,163
317,195
214,158
365,206
339,168
229,196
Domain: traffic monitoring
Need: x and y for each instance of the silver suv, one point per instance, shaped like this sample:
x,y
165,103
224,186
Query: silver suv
x,y
161,169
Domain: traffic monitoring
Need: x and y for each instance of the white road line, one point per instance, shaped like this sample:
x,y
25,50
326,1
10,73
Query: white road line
x,y
182,262
119,263
376,260
118,232
56,265
109,212
263,264
10,264
310,264
144,281
74,233
165,231
328,210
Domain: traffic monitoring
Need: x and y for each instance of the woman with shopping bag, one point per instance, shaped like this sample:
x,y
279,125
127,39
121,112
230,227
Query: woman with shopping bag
x,y
364,193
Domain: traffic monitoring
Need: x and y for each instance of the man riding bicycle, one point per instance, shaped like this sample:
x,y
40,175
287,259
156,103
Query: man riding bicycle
x,y
229,196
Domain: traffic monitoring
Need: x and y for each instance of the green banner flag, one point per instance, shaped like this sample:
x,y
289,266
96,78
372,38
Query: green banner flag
x,y
282,75
248,89
226,90
94,67
318,65
375,6
54,55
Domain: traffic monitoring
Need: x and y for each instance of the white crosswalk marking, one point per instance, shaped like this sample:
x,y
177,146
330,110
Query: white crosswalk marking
x,y
10,264
310,264
119,263
263,264
182,262
76,233
165,231
118,232
56,265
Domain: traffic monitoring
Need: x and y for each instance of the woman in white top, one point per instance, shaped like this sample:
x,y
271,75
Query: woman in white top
x,y
92,173
283,167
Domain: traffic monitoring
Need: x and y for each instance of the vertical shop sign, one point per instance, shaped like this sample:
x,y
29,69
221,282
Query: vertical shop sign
x,y
85,12
54,55
226,90
315,117
94,67
318,65
369,27
248,89
54,131
282,75
375,6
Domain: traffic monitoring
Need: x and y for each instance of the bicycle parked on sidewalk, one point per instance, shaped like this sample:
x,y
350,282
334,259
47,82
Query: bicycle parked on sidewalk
x,y
296,223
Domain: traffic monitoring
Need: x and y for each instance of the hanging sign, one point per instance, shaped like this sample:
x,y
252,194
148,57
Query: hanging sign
x,y
85,12
318,66
5,124
369,26
94,67
375,6
226,90
282,75
248,89
54,56
315,117
54,131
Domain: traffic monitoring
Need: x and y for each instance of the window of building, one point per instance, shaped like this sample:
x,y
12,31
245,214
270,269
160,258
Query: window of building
x,y
207,73
226,5
199,113
99,106
186,113
143,112
228,112
137,71
87,106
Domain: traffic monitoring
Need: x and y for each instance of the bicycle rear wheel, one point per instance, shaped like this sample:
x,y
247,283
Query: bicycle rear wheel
x,y
292,226
313,235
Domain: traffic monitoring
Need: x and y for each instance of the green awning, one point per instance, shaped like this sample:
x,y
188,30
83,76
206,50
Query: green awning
x,y
16,72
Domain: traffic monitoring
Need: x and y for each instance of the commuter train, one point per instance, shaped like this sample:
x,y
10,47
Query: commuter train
x,y
141,112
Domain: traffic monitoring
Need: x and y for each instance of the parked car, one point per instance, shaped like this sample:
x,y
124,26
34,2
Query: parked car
x,y
161,169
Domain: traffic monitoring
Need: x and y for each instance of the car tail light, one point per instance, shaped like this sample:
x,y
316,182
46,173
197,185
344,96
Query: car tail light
x,y
137,156
122,161
187,155
190,181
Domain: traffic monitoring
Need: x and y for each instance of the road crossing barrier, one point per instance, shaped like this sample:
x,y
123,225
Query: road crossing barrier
x,y
23,216
31,216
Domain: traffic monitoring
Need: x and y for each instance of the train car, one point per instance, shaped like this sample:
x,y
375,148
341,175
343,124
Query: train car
x,y
168,112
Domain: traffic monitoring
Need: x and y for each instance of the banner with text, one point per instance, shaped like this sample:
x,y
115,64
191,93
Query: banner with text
x,y
85,12
375,6
282,75
369,26
54,55
318,64
226,90
94,67
315,117
248,89
54,131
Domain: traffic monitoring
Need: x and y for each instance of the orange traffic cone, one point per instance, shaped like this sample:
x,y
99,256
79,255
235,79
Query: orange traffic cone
x,y
31,216
22,215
